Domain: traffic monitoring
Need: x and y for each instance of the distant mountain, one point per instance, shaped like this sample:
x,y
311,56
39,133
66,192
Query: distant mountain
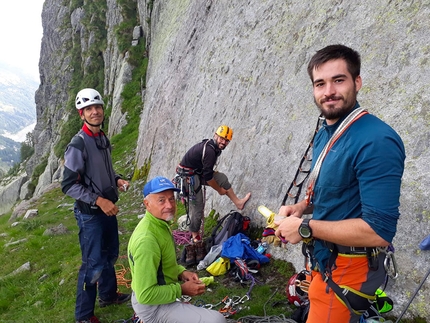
x,y
9,153
17,106
17,111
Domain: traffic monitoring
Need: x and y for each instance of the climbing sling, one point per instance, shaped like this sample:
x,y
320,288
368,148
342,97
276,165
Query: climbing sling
x,y
349,120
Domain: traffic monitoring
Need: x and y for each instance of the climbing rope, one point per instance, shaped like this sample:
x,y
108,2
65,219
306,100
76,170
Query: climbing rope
x,y
266,319
181,237
120,273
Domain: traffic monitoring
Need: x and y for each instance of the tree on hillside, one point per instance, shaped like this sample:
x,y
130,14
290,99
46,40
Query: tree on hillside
x,y
27,147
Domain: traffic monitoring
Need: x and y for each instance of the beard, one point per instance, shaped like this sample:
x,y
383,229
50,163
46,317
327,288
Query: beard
x,y
170,217
331,112
221,146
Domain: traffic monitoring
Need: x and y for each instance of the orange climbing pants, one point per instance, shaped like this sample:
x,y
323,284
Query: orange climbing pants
x,y
352,271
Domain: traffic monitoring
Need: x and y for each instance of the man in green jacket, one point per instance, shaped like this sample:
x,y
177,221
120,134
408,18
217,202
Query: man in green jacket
x,y
155,272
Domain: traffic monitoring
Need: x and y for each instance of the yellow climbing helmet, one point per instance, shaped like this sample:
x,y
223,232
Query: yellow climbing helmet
x,y
225,132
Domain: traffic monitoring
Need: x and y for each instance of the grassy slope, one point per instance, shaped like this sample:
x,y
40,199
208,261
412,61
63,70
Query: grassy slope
x,y
46,293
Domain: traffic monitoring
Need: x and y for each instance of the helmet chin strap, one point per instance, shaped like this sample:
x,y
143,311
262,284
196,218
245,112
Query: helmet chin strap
x,y
95,125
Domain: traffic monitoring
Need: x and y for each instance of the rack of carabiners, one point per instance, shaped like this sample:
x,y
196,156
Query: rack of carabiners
x,y
227,306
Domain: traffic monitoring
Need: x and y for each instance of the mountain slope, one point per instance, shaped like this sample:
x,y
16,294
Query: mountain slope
x,y
17,106
17,112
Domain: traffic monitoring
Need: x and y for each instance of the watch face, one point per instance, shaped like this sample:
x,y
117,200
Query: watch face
x,y
305,232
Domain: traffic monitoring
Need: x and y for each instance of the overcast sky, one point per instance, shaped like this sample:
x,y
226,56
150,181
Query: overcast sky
x,y
21,34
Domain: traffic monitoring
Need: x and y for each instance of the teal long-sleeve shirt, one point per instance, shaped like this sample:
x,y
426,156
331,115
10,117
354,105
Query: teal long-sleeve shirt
x,y
360,177
152,259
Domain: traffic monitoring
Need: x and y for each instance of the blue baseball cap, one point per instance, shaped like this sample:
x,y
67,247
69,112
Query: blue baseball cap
x,y
157,185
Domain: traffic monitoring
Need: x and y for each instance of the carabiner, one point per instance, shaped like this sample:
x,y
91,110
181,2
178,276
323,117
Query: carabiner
x,y
244,298
390,264
235,300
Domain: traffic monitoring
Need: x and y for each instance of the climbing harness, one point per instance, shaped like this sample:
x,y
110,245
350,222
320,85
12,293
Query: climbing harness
x,y
356,301
184,181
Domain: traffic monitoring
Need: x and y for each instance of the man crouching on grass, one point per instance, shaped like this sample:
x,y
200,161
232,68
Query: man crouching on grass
x,y
154,269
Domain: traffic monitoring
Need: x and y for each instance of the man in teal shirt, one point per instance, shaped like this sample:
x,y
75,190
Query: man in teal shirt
x,y
156,275
353,193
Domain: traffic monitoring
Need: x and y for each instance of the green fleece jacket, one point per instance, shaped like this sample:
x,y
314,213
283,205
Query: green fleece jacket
x,y
152,259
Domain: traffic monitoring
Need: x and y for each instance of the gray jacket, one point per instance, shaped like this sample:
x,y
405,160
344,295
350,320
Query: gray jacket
x,y
88,171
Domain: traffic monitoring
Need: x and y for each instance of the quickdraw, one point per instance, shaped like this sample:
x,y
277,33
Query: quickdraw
x,y
231,305
211,306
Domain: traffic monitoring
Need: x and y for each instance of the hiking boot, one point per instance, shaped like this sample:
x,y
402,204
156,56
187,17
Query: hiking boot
x,y
190,257
120,298
92,319
200,250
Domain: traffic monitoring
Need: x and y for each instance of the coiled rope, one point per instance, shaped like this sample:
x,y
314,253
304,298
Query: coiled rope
x,y
266,319
120,272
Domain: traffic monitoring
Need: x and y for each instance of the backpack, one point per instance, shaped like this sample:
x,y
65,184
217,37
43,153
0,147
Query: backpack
x,y
228,226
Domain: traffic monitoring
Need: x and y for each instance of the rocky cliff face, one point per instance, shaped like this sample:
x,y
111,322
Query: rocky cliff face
x,y
67,55
244,64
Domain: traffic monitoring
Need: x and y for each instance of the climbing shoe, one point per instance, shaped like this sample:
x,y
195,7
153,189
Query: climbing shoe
x,y
120,298
190,254
92,319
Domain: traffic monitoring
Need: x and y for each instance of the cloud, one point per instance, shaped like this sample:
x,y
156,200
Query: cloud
x,y
21,34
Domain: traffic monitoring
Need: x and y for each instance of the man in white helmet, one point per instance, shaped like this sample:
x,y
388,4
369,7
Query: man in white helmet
x,y
89,178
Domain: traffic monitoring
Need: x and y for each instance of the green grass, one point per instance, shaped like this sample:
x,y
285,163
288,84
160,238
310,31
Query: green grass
x,y
47,292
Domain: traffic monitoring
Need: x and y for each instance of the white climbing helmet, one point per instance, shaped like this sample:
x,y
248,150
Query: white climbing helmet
x,y
87,97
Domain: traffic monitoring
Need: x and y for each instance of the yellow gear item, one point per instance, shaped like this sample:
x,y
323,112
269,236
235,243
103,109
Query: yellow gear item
x,y
270,216
225,132
219,267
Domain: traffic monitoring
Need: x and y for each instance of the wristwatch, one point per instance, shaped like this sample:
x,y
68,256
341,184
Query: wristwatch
x,y
305,230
